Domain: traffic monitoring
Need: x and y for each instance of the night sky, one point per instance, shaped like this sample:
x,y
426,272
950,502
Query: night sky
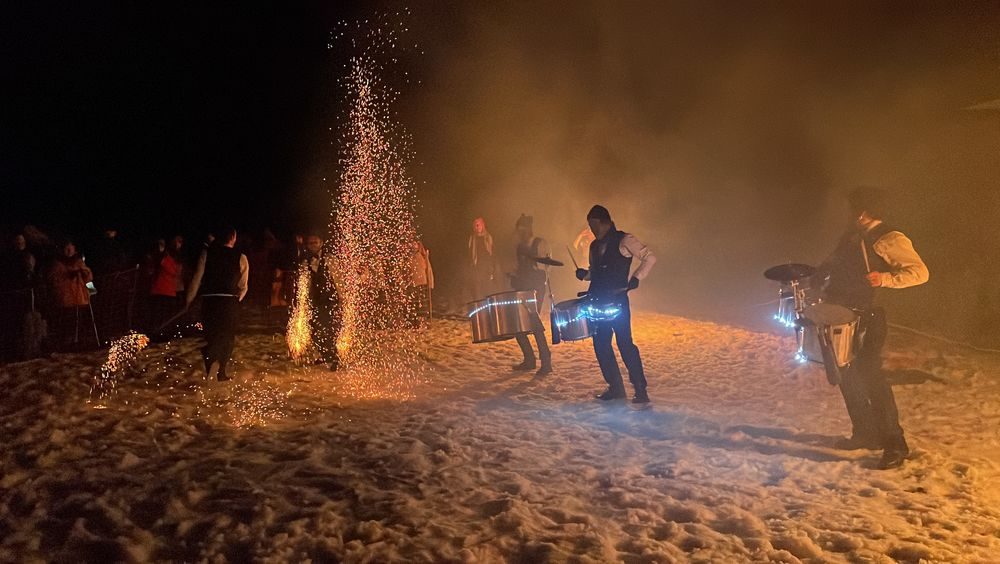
x,y
153,115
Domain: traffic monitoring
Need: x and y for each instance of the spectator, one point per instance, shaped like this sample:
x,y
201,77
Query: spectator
x,y
68,277
581,245
422,283
167,289
17,272
109,256
18,266
482,261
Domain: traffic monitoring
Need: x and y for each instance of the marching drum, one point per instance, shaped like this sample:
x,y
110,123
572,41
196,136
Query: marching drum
x,y
502,316
838,324
572,320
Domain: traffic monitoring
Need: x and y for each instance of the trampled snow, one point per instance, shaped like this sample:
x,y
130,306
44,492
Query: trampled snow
x,y
732,462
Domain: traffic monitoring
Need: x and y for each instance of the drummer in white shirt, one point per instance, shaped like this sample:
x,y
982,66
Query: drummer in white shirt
x,y
869,256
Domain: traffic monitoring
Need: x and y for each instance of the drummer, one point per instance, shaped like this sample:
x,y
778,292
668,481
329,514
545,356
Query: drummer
x,y
531,275
870,255
611,256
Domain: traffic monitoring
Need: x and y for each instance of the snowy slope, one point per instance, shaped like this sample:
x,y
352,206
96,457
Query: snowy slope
x,y
732,463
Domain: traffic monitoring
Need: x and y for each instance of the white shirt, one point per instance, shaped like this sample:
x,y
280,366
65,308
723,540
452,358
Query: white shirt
x,y
908,269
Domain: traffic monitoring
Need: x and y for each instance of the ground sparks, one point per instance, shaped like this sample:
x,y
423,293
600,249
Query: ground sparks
x,y
121,356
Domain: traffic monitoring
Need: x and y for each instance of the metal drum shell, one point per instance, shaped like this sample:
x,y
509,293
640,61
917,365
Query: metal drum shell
x,y
572,321
502,316
842,325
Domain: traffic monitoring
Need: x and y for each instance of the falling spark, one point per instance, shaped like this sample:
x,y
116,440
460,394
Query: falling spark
x,y
373,220
253,403
299,334
121,357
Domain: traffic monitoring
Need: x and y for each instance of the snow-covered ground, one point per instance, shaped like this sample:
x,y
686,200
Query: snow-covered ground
x,y
731,463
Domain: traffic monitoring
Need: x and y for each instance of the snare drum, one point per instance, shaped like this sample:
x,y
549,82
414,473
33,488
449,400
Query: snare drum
x,y
572,321
502,316
840,325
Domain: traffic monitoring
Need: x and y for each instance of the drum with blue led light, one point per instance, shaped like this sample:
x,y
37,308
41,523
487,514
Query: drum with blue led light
x,y
572,320
502,316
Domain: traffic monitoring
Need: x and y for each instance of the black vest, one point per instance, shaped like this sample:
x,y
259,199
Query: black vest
x,y
609,269
222,271
848,285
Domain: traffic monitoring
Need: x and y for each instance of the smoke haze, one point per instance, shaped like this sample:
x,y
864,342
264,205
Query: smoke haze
x,y
722,135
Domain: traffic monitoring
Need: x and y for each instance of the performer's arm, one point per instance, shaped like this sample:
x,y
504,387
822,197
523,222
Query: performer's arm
x,y
199,271
908,269
632,247
244,276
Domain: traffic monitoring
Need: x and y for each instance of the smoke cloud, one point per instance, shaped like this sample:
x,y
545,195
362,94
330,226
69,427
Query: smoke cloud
x,y
723,135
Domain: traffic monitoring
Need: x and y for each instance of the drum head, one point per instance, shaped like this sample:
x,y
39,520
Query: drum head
x,y
829,314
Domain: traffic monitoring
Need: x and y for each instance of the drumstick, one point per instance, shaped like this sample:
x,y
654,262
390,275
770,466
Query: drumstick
x,y
864,253
572,258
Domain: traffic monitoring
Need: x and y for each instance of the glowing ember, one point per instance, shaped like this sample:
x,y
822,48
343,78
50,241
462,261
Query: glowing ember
x,y
373,222
251,403
121,357
299,334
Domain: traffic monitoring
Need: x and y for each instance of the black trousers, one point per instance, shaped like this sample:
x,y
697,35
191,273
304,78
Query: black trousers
x,y
867,394
538,330
621,328
220,317
325,326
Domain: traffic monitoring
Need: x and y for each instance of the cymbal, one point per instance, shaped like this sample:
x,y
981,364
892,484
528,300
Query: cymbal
x,y
789,272
548,260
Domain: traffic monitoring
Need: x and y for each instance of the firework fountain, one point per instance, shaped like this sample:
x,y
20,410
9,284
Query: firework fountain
x,y
299,333
372,220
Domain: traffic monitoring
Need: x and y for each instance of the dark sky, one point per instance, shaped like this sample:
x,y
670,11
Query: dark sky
x,y
136,112
724,134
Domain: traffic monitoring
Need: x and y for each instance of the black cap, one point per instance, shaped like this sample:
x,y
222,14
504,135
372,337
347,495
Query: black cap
x,y
868,199
599,212
525,220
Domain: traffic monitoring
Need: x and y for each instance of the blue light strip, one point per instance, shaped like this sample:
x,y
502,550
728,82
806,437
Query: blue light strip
x,y
593,314
503,303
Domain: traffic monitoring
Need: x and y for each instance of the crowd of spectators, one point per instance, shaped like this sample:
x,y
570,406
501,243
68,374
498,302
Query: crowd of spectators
x,y
58,294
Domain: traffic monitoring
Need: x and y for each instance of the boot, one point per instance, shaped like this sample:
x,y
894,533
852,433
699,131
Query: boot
x,y
894,455
857,442
524,366
640,397
892,458
544,370
221,376
611,394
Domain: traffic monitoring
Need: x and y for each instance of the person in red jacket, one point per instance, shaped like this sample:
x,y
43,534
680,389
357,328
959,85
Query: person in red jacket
x,y
68,277
166,294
